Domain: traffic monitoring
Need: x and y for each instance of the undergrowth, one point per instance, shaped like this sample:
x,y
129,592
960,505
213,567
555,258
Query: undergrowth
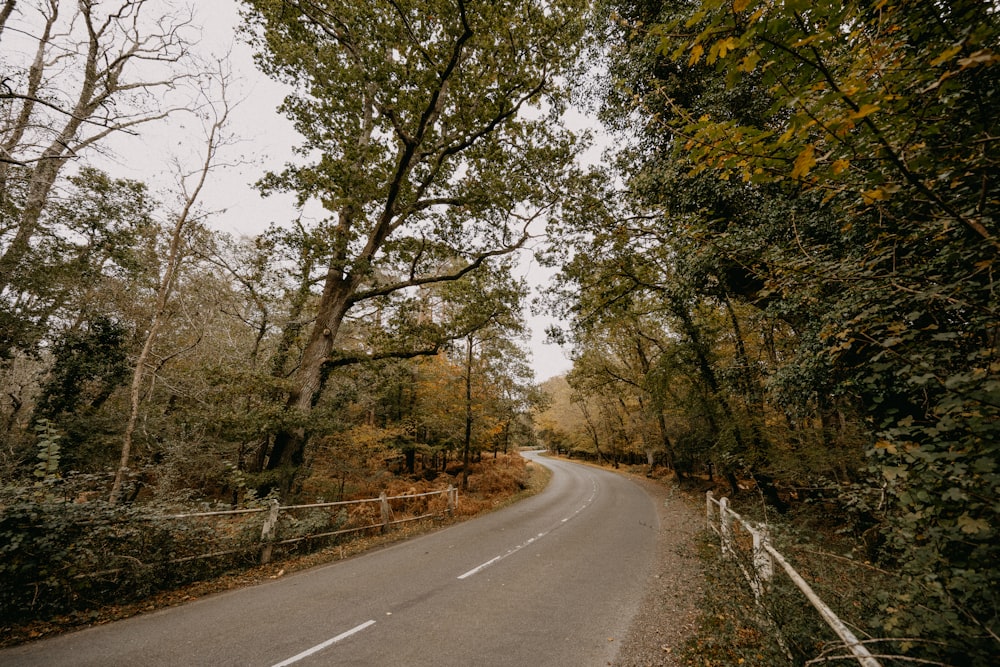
x,y
64,564
783,628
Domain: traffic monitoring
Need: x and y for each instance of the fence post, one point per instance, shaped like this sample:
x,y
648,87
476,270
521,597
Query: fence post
x,y
708,509
384,502
763,567
452,498
761,558
725,531
267,532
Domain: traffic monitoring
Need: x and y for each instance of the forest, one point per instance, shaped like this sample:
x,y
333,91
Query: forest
x,y
780,278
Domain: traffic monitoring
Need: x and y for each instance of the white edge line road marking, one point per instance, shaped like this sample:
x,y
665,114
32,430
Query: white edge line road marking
x,y
329,642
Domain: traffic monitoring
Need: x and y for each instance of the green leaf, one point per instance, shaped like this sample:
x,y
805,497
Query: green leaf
x,y
954,493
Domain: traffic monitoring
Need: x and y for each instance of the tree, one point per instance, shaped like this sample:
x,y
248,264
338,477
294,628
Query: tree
x,y
490,306
827,163
559,425
511,394
191,184
432,133
80,86
92,249
89,366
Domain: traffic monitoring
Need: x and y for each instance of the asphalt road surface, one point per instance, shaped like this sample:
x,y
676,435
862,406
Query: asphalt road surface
x,y
552,580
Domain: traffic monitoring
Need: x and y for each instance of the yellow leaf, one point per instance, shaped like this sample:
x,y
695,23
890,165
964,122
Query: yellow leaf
x,y
804,162
727,45
947,54
865,110
740,5
749,62
721,48
839,166
696,52
873,196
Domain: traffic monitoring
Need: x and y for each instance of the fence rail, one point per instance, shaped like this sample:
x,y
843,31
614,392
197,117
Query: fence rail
x,y
763,557
269,536
269,531
67,552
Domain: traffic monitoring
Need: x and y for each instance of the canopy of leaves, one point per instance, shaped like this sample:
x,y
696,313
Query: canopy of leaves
x,y
832,165
428,129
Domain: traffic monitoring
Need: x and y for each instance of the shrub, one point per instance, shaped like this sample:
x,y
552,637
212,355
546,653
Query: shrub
x,y
58,556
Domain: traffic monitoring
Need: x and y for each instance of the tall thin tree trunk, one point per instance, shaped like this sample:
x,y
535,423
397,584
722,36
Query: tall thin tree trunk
x,y
668,446
468,415
165,288
591,428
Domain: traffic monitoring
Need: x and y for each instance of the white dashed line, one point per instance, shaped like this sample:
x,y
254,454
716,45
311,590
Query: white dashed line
x,y
495,559
329,642
480,568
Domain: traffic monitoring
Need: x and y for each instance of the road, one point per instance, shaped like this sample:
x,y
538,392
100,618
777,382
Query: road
x,y
552,580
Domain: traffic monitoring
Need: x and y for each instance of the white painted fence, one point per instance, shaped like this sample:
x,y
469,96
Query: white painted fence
x,y
763,557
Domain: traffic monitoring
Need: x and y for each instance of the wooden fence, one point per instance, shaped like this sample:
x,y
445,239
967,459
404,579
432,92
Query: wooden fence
x,y
270,535
762,559
116,554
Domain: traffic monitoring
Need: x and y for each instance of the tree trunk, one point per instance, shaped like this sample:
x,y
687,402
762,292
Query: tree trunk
x,y
467,444
668,447
711,380
166,286
591,429
288,449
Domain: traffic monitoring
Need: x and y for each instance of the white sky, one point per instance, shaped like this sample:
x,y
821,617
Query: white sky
x,y
266,142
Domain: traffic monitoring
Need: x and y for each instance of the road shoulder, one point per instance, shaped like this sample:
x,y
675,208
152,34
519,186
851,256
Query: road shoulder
x,y
667,615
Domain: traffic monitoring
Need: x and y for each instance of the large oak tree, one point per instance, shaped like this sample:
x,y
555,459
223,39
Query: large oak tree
x,y
429,132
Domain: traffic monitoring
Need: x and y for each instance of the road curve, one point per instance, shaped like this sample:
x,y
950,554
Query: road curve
x,y
552,580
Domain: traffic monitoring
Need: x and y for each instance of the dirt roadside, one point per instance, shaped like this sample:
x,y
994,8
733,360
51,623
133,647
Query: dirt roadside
x,y
668,613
